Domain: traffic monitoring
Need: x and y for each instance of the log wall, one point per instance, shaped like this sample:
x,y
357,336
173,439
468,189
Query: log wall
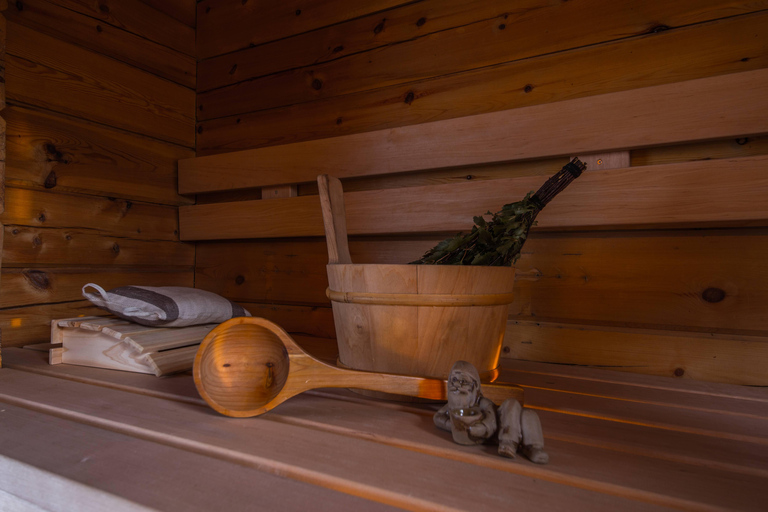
x,y
100,107
680,299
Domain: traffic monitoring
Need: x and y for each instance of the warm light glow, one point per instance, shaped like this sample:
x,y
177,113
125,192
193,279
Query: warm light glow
x,y
16,322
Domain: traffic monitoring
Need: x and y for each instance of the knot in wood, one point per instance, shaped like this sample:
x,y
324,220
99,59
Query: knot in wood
x,y
38,279
713,295
50,181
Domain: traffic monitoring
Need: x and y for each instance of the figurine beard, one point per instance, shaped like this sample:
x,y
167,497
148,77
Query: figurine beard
x,y
463,387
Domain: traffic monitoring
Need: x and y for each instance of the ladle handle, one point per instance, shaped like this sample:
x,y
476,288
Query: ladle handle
x,y
326,376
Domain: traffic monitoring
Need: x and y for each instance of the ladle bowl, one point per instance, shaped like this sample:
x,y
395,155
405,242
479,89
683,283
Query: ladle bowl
x,y
247,366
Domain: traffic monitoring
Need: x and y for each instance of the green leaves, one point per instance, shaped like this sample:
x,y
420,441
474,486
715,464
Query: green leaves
x,y
494,243
499,242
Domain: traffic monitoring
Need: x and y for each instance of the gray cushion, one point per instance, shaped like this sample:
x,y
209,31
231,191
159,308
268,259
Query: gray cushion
x,y
169,306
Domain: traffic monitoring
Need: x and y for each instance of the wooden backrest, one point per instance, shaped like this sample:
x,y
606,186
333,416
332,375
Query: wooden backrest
x,y
648,267
674,194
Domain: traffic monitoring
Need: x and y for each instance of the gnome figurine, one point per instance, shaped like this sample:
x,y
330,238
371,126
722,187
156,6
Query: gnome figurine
x,y
473,419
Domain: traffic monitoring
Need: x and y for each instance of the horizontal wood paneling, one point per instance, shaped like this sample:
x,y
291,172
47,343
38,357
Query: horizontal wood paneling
x,y
683,193
94,34
183,10
706,281
101,108
701,280
54,152
28,325
650,116
664,57
485,43
117,217
310,320
670,354
30,286
343,39
62,77
228,25
35,246
360,95
139,18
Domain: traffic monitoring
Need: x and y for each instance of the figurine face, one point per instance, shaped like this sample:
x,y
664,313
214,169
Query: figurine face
x,y
462,388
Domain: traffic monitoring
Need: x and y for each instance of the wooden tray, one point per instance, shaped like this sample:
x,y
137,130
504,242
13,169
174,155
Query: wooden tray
x,y
106,342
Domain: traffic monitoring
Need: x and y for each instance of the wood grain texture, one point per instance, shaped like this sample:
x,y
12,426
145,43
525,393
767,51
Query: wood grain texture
x,y
635,62
387,485
339,40
122,345
229,25
651,116
40,246
183,10
696,281
122,464
116,217
3,37
676,194
93,33
654,456
23,287
27,325
248,366
61,153
139,18
59,76
397,335
706,281
679,354
523,34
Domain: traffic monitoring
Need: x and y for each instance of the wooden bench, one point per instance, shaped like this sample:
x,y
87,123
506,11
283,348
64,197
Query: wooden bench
x,y
648,268
86,439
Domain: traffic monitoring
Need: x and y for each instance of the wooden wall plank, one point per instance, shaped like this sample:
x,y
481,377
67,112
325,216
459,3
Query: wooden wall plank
x,y
635,62
676,194
73,27
59,76
706,281
49,151
3,37
349,37
527,33
40,246
28,325
650,116
118,217
670,354
139,18
228,25
183,10
710,281
30,286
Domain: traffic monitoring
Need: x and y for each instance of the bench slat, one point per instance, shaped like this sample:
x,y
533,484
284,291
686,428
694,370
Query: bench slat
x,y
700,109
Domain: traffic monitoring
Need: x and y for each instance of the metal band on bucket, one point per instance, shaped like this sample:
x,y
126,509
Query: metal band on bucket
x,y
412,299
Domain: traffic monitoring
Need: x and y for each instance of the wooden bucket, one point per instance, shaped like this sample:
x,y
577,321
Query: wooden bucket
x,y
420,319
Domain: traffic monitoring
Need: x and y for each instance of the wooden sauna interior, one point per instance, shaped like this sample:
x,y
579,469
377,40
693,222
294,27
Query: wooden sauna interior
x,y
135,131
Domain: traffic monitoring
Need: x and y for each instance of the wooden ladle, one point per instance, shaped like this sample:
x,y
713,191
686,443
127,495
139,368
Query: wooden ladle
x,y
248,366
